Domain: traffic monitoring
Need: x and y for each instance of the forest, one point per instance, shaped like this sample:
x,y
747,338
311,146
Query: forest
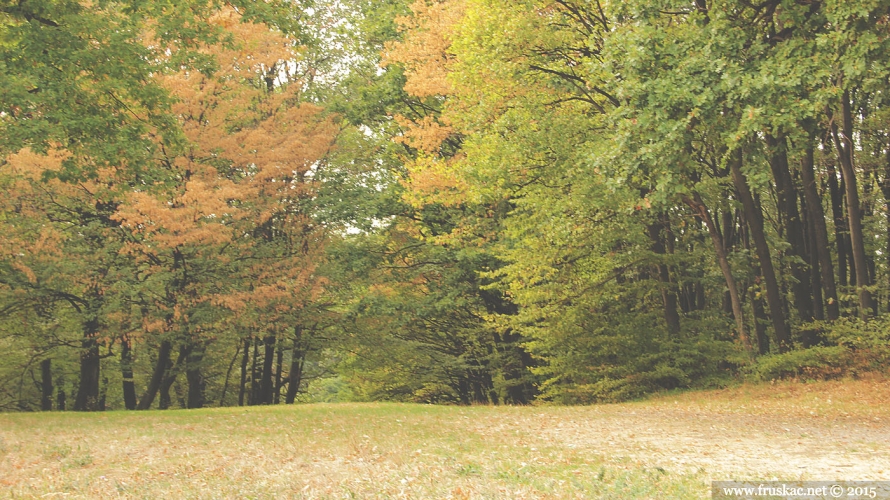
x,y
220,203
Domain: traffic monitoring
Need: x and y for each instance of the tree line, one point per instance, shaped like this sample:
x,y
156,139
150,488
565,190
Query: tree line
x,y
452,201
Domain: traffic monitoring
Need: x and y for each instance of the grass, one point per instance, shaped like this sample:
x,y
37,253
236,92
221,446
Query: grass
x,y
311,451
383,450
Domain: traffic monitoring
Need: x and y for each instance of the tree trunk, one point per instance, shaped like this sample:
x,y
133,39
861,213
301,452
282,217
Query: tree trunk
x,y
844,147
668,294
242,387
253,397
61,397
157,376
298,355
701,210
128,384
164,401
794,231
195,378
87,398
279,361
222,397
840,224
267,382
46,385
885,189
754,219
820,235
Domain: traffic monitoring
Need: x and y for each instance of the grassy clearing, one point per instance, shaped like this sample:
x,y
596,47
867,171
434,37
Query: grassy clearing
x,y
310,451
367,450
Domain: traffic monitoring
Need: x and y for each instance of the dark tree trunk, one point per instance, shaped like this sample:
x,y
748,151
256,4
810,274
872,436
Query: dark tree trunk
x,y
164,400
279,361
195,378
844,147
701,210
754,219
668,293
463,391
87,398
760,321
61,397
820,236
253,397
759,313
46,385
794,230
700,300
267,383
242,387
815,273
128,384
840,223
295,376
157,376
222,397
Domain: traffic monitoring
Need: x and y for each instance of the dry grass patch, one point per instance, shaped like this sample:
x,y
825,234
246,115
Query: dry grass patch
x,y
312,451
668,447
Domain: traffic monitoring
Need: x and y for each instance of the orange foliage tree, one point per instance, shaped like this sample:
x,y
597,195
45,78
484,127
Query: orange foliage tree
x,y
235,231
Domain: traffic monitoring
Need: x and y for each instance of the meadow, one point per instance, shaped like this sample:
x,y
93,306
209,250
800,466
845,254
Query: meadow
x,y
670,446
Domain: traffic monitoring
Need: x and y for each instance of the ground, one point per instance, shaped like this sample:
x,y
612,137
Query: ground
x,y
670,446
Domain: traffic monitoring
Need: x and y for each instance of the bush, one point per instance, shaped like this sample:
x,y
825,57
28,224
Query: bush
x,y
853,347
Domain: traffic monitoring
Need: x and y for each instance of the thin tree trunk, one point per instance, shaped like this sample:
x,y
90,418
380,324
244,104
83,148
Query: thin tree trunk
x,y
844,148
128,384
253,398
222,398
840,224
267,382
295,375
157,376
61,397
794,231
242,387
754,218
885,189
820,235
195,378
668,294
46,385
279,360
701,210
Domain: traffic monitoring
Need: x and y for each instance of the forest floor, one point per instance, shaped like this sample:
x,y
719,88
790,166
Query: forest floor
x,y
670,446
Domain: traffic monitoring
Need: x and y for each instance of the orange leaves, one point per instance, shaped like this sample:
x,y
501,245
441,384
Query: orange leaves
x,y
22,268
424,49
426,135
433,179
31,165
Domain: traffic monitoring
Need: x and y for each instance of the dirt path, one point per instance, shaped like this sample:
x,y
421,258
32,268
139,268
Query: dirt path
x,y
728,444
734,446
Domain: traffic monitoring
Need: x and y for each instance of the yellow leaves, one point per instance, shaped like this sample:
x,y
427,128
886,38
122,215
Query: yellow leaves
x,y
434,180
382,290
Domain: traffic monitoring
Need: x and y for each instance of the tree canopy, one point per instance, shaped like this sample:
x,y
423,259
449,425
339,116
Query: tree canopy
x,y
455,201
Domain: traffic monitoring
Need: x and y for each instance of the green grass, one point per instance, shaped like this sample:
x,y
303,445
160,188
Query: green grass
x,y
314,451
